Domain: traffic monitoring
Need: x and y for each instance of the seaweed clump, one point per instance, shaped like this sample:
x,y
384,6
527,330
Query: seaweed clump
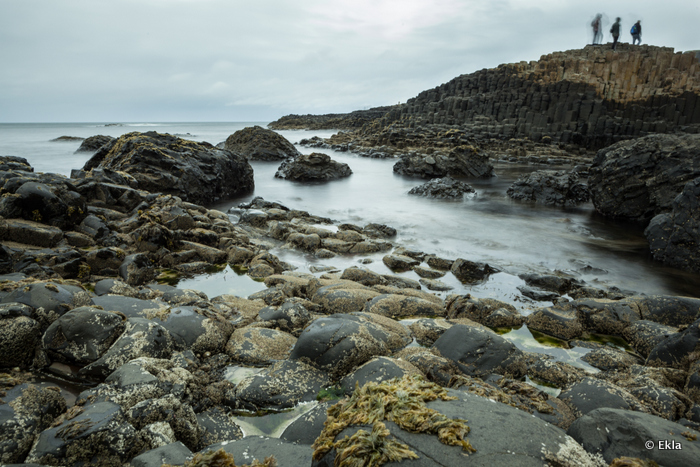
x,y
401,401
222,458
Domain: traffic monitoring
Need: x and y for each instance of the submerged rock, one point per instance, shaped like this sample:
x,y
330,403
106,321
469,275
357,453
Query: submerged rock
x,y
464,161
442,188
162,163
260,144
550,187
314,166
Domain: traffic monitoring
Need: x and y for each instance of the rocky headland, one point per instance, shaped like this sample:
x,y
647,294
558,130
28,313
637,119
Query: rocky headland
x,y
105,364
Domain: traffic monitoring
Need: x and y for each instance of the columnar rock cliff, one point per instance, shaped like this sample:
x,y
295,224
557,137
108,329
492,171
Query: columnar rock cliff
x,y
592,96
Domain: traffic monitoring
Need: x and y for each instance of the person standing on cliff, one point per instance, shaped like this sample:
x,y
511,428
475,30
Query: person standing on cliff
x,y
637,33
597,33
615,31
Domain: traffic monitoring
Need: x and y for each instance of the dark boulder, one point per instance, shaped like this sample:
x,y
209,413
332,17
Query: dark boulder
x,y
674,237
377,370
471,271
314,166
93,143
82,335
260,144
677,351
25,411
590,394
615,433
638,179
259,346
476,351
550,187
281,386
174,454
442,188
15,163
196,172
462,161
341,342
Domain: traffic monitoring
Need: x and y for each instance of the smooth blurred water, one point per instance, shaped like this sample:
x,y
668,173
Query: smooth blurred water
x,y
513,236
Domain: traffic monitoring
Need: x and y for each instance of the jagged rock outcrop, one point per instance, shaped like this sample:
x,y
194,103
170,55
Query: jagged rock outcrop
x,y
93,143
464,161
639,179
550,187
260,144
314,166
674,237
162,163
352,120
442,188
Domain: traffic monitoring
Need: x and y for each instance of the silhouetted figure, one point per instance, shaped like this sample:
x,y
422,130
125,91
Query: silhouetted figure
x,y
597,29
636,32
615,31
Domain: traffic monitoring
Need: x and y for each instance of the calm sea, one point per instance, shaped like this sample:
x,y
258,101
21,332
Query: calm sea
x,y
513,236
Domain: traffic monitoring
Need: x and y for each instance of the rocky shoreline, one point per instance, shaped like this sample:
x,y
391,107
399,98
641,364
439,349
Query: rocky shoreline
x,y
395,368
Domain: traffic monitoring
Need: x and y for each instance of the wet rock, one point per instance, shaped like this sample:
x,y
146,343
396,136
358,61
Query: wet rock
x,y
558,284
334,299
495,444
82,335
314,166
259,346
217,426
173,454
674,237
470,271
162,163
339,343
99,431
640,178
259,448
427,330
305,429
401,306
537,294
26,411
475,351
644,335
19,339
557,322
171,410
442,188
377,370
15,163
399,262
362,276
281,386
439,263
31,233
379,231
551,188
461,161
615,433
290,317
607,359
141,338
606,316
477,309
590,394
667,309
428,273
93,143
260,144
437,369
678,350
436,285
49,300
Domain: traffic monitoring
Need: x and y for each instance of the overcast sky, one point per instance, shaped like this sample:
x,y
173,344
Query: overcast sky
x,y
236,60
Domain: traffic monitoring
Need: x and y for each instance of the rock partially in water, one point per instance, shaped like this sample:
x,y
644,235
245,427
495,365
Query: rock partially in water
x,y
93,143
674,237
314,166
550,187
162,163
640,178
464,161
260,144
442,188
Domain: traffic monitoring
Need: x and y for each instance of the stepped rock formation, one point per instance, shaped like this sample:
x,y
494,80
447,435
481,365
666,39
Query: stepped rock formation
x,y
591,97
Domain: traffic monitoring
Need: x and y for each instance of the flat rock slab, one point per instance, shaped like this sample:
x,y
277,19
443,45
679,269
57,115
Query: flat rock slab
x,y
29,232
259,447
616,433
